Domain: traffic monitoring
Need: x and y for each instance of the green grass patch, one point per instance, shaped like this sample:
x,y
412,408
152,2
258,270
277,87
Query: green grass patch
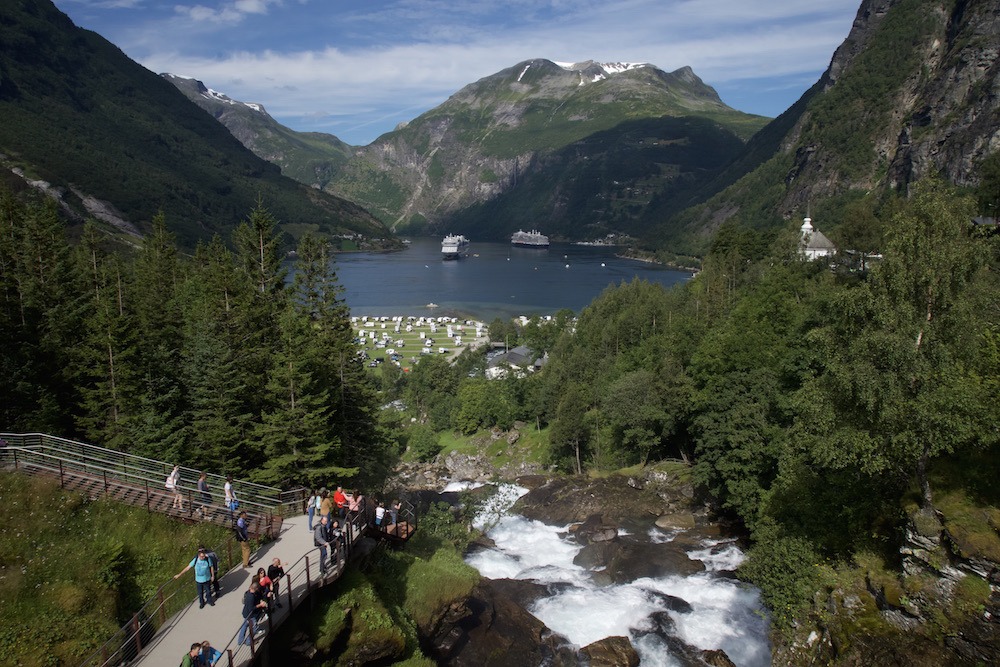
x,y
74,570
434,583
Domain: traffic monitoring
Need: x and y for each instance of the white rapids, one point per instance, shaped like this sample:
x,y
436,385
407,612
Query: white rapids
x,y
725,614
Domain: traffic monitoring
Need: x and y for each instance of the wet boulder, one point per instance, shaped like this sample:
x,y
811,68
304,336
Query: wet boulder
x,y
611,652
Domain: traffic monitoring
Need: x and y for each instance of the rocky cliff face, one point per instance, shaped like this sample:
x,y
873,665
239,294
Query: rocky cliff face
x,y
918,81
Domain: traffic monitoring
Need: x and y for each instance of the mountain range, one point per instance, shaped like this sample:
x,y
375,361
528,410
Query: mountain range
x,y
577,150
587,148
115,142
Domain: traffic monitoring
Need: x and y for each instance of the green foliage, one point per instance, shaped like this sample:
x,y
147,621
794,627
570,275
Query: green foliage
x,y
786,569
423,442
211,361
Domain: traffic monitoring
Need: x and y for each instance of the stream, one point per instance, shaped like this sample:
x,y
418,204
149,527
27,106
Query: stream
x,y
663,617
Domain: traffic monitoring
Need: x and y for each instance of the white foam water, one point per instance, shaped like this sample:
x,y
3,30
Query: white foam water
x,y
725,614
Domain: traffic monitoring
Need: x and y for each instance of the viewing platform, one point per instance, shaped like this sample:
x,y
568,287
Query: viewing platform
x,y
162,631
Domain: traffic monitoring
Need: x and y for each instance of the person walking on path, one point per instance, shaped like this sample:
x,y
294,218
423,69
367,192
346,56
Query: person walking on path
x,y
231,501
173,484
203,575
275,572
251,603
321,538
190,658
206,496
243,537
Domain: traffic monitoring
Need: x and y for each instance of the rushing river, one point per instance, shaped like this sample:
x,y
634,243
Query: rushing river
x,y
723,614
495,280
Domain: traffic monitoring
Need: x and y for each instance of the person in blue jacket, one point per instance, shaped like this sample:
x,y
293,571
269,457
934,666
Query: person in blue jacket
x,y
204,573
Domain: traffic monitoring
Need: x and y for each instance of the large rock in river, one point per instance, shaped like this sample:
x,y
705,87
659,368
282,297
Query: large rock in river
x,y
566,500
611,652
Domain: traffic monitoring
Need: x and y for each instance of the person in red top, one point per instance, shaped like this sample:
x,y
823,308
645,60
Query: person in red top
x,y
266,589
341,500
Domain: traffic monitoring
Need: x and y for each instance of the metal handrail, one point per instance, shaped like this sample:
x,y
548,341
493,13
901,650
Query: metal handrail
x,y
129,640
301,577
152,465
120,477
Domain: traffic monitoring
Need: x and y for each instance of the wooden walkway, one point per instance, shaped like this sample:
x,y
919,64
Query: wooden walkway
x,y
170,621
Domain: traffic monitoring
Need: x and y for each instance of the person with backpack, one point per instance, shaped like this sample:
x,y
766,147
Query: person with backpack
x,y
243,537
213,558
275,572
251,604
203,575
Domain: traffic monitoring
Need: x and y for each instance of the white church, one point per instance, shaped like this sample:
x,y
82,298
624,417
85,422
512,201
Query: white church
x,y
813,244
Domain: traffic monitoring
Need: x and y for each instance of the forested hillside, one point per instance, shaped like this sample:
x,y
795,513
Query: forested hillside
x,y
846,419
115,142
209,360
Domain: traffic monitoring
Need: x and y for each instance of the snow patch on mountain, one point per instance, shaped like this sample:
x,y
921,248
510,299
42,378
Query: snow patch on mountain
x,y
526,68
609,68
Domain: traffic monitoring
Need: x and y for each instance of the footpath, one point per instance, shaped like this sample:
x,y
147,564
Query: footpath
x,y
219,623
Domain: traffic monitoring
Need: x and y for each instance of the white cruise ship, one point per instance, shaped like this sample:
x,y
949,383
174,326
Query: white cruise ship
x,y
532,239
454,246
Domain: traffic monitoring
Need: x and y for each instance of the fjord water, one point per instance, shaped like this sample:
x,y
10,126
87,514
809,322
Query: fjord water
x,y
495,280
724,613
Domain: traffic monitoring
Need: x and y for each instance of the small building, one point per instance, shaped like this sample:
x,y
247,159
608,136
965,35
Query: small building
x,y
813,244
520,360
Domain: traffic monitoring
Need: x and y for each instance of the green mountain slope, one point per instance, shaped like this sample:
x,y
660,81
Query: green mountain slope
x,y
122,144
910,93
518,142
308,157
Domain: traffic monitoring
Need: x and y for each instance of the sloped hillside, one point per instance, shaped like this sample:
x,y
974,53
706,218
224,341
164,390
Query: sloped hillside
x,y
910,93
121,144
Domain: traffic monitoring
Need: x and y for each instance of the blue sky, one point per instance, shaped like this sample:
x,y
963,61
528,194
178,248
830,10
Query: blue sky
x,y
357,68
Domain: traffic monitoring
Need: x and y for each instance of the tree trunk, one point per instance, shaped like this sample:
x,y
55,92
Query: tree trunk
x,y
925,487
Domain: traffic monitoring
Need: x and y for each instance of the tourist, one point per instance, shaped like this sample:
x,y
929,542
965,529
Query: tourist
x,y
203,575
275,572
394,510
340,500
213,558
379,514
321,539
336,542
231,501
206,496
190,658
243,537
173,484
251,605
311,507
325,505
207,655
266,587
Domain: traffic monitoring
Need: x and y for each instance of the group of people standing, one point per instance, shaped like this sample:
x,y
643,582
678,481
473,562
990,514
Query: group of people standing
x,y
173,484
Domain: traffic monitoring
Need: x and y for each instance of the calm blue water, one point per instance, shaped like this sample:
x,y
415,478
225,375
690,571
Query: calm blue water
x,y
502,281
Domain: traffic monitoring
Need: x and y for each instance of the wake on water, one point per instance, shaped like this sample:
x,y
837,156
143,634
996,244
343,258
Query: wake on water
x,y
724,613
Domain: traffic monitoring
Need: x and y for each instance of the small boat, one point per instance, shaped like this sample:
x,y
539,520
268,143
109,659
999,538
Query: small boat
x,y
532,239
432,305
454,246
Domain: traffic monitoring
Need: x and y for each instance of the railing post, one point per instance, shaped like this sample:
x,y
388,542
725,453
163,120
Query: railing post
x,y
61,483
137,635
163,611
105,481
288,589
229,652
308,574
146,485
